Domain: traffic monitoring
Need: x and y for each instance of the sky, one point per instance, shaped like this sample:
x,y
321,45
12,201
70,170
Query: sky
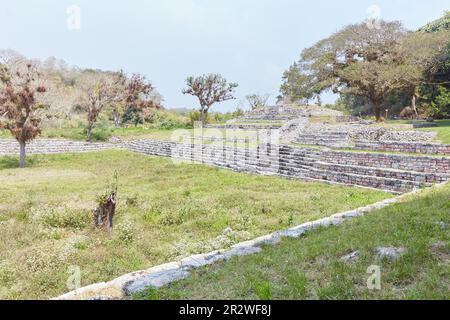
x,y
250,42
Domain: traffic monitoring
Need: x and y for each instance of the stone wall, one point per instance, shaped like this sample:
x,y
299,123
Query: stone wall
x,y
390,161
243,126
410,147
396,173
50,146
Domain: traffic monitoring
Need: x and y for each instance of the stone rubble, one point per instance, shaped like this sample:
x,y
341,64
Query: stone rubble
x,y
389,253
351,257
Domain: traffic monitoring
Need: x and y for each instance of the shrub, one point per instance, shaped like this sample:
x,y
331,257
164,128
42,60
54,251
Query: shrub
x,y
125,232
132,201
407,113
62,217
195,115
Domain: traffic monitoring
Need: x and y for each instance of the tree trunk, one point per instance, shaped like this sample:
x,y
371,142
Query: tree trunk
x,y
413,104
104,213
89,132
22,154
203,116
116,119
377,111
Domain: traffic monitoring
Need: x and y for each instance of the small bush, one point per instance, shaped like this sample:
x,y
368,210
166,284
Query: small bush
x,y
62,217
407,113
263,291
125,232
132,201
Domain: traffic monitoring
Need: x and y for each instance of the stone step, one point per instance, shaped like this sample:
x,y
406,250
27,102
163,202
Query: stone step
x,y
419,177
383,183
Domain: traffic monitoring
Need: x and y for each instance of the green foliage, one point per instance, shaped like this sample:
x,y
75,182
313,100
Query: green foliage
x,y
195,115
381,67
61,217
157,119
354,104
297,84
438,105
166,120
263,291
223,117
440,24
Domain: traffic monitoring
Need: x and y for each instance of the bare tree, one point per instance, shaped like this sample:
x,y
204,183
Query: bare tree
x,y
209,89
20,108
99,91
257,100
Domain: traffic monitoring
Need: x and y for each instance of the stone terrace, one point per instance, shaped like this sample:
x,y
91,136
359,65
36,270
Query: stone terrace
x,y
395,173
10,147
391,172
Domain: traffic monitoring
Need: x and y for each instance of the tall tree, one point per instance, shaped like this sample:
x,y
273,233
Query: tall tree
x,y
355,60
20,107
434,95
297,84
209,89
420,55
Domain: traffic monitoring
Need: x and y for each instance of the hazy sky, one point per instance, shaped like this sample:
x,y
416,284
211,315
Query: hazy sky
x,y
248,41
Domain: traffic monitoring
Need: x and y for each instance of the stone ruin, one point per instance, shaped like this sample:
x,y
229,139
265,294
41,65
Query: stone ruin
x,y
345,135
393,172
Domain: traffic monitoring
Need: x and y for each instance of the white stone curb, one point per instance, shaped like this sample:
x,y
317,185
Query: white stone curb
x,y
164,274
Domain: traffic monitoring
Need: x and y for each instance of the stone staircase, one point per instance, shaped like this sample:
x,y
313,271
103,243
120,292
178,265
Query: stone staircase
x,y
309,164
325,138
391,172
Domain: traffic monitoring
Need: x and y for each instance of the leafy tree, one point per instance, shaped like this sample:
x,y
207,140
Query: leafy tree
x,y
297,85
439,107
137,100
376,64
437,84
139,112
20,107
356,60
209,89
419,55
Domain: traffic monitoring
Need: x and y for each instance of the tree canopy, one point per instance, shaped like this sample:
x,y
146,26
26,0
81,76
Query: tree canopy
x,y
367,61
209,89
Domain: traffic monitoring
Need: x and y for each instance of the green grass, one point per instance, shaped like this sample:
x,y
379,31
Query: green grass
x,y
442,129
311,268
165,212
130,133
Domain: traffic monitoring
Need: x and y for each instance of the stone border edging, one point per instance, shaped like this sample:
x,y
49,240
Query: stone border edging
x,y
167,273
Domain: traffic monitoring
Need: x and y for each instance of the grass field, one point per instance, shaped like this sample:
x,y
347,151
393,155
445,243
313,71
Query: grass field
x,y
311,267
165,212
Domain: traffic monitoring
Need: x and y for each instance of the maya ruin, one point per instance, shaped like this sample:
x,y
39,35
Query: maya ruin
x,y
118,183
